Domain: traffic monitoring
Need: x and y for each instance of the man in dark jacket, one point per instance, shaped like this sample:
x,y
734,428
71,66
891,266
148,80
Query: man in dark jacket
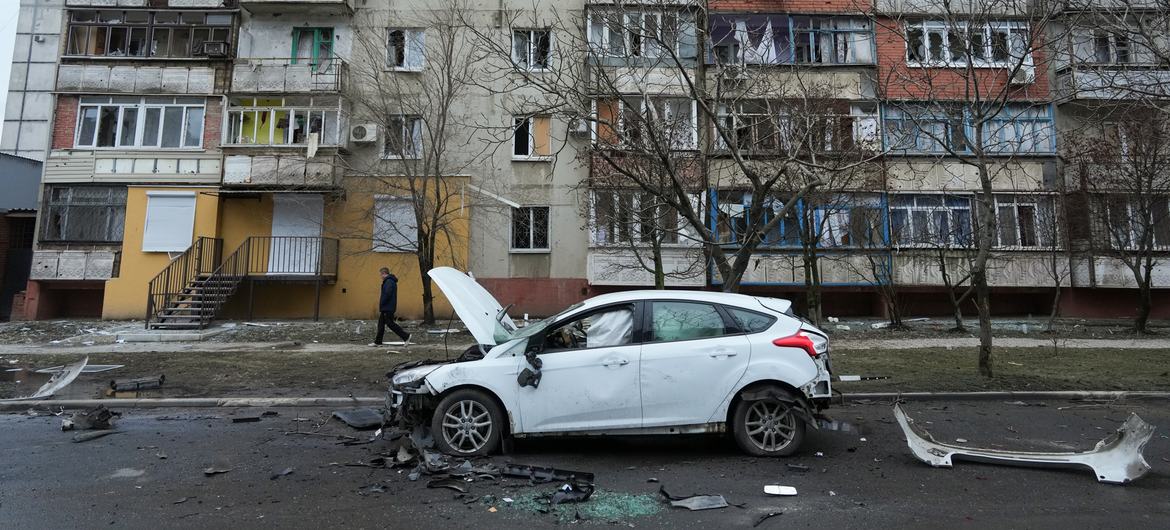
x,y
387,305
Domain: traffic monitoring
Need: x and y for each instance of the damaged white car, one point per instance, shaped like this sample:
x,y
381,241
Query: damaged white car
x,y
636,362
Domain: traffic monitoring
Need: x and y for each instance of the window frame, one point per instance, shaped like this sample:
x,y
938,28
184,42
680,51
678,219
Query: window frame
x,y
528,62
601,43
636,334
529,123
149,244
1040,203
382,245
902,124
150,28
415,130
730,311
142,108
662,106
532,231
115,212
413,39
730,326
631,210
950,212
239,108
946,30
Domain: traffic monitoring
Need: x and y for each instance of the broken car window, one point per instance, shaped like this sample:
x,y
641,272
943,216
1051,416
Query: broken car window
x,y
685,321
611,327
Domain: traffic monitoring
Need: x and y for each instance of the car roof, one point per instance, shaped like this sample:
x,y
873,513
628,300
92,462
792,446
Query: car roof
x,y
734,299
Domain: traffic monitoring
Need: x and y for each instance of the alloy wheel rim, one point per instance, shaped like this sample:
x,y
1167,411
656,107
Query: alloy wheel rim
x,y
467,426
771,425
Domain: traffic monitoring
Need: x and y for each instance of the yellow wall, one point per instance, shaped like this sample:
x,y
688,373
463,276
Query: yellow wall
x,y
125,296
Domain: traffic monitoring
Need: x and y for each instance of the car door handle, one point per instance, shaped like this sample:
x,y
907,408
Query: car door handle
x,y
723,353
608,363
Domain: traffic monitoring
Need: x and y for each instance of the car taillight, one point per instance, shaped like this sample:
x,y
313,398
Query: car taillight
x,y
800,340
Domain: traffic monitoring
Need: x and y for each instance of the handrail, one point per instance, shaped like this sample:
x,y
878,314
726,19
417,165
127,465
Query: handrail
x,y
200,258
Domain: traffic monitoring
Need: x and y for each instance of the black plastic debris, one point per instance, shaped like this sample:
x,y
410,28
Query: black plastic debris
x,y
694,502
572,492
360,418
799,467
539,474
448,483
142,383
87,436
245,419
765,517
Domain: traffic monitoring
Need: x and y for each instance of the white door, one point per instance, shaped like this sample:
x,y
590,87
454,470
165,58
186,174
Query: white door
x,y
691,359
296,229
589,376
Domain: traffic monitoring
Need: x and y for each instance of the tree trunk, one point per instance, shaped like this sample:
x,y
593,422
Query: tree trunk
x,y
983,303
1055,308
659,272
1145,305
812,288
426,261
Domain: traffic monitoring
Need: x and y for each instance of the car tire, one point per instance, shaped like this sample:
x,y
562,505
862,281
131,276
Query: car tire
x,y
467,423
767,427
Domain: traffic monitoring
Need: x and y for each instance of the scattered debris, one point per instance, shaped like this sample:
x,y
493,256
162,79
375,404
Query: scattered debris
x,y
256,324
442,331
765,517
571,493
826,424
776,489
843,327
360,418
538,474
142,383
282,473
89,368
182,500
59,381
1117,459
853,378
246,419
209,471
448,483
880,325
694,502
798,467
961,440
87,436
97,418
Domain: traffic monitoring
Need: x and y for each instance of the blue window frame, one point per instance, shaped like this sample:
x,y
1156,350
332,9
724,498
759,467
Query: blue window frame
x,y
1019,128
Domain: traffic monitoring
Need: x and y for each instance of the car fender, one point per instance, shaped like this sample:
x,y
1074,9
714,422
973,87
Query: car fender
x,y
495,375
795,371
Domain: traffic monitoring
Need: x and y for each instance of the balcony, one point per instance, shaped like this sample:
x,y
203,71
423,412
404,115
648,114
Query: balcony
x,y
146,166
147,3
73,265
280,172
316,7
283,76
103,79
1109,83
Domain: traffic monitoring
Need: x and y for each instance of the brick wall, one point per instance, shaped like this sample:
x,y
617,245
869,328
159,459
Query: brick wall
x,y
213,118
897,80
791,6
64,122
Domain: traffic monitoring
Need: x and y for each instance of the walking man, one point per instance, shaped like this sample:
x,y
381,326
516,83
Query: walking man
x,y
387,305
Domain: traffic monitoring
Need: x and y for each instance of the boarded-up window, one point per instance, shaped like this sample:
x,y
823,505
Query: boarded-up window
x,y
532,138
607,122
395,227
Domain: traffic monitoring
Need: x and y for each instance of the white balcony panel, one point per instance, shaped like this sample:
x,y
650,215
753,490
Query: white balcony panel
x,y
1129,83
279,171
148,166
620,268
72,265
121,79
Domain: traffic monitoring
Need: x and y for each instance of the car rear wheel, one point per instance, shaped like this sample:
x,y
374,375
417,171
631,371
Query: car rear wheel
x,y
767,427
467,423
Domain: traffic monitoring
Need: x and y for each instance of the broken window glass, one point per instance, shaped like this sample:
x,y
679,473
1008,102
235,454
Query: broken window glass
x,y
84,214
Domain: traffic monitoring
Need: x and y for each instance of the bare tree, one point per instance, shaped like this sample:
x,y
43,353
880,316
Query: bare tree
x,y
412,79
963,95
1124,169
665,124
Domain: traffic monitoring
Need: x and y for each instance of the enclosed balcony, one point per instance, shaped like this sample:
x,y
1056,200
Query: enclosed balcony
x,y
288,76
316,7
1112,83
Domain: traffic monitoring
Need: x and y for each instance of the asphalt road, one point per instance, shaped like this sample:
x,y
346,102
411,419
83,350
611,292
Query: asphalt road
x,y
124,481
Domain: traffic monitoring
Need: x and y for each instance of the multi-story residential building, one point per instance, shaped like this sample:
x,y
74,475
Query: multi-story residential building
x,y
213,158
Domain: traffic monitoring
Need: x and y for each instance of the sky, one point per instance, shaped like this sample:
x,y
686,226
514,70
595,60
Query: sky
x,y
8,16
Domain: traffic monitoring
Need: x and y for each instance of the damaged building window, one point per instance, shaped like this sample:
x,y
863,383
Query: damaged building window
x,y
137,33
283,121
994,44
84,214
166,122
626,216
1131,218
781,39
530,48
404,137
613,326
530,228
395,225
1025,221
648,35
405,49
930,220
733,224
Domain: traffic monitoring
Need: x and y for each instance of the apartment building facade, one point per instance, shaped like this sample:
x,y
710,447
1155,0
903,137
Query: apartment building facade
x,y
222,158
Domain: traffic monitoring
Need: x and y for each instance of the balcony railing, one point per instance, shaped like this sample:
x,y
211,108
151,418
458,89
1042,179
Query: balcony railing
x,y
280,172
287,76
1112,83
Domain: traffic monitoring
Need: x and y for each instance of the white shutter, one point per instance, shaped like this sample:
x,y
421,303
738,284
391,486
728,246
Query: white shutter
x,y
416,49
170,221
394,225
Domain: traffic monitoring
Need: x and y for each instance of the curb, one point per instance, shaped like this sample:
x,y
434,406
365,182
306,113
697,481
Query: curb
x,y
244,402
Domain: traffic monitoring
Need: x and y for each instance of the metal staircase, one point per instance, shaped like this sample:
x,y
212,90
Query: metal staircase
x,y
191,290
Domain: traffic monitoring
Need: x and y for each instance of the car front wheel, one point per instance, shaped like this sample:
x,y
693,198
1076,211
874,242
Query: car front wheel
x,y
767,427
467,423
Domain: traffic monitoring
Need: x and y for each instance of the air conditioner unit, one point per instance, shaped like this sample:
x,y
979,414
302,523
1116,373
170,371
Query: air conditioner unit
x,y
1026,75
579,127
363,133
215,49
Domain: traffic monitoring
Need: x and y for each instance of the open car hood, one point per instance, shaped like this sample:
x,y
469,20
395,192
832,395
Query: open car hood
x,y
478,309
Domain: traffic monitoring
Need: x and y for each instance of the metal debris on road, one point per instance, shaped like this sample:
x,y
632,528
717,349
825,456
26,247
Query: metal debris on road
x,y
282,473
97,418
142,383
765,517
798,467
572,492
59,381
360,418
448,483
209,471
539,474
776,489
246,419
87,436
89,368
1117,459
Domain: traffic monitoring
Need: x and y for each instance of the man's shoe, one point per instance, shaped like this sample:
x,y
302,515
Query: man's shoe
x,y
374,344
407,339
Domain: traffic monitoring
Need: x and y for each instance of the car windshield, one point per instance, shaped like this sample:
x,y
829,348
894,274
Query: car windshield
x,y
537,327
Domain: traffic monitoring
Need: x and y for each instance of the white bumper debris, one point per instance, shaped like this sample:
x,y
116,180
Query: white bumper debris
x,y
1116,460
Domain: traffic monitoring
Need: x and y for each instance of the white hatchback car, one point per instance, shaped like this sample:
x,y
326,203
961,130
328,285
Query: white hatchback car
x,y
634,362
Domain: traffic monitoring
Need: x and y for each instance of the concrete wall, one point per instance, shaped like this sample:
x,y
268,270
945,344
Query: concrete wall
x,y
29,111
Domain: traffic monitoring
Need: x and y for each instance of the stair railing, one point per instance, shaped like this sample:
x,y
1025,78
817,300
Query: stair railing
x,y
175,279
